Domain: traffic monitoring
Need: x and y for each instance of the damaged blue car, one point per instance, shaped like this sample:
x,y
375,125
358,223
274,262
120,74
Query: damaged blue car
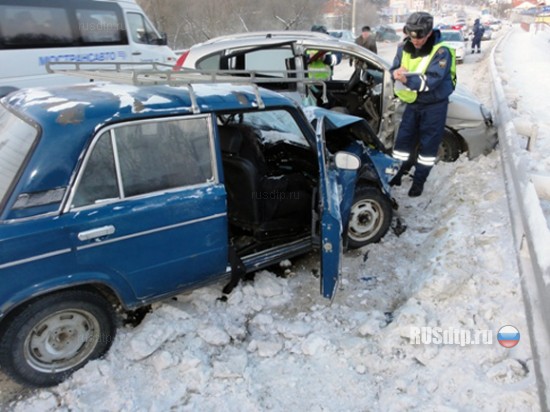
x,y
113,196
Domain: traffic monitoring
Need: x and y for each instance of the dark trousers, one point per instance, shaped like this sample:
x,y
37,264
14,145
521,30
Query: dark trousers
x,y
476,42
420,134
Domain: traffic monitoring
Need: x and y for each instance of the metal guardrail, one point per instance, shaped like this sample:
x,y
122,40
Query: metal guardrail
x,y
531,237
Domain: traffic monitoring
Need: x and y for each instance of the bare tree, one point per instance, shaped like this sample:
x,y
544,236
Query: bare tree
x,y
187,22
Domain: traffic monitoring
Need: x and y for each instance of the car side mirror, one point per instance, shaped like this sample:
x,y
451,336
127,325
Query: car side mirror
x,y
163,41
347,161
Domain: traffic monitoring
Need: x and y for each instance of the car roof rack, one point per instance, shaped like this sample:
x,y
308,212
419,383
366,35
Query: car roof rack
x,y
152,73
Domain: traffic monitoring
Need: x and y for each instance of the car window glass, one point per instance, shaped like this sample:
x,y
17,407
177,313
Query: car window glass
x,y
157,156
269,59
141,31
99,26
210,63
451,36
276,125
98,182
16,140
35,26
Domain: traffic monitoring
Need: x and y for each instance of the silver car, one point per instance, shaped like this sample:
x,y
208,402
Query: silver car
x,y
360,84
455,39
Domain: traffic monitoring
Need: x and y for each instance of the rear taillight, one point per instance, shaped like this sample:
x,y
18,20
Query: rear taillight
x,y
180,61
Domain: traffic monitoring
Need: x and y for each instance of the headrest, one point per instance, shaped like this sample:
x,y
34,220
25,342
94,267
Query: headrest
x,y
231,139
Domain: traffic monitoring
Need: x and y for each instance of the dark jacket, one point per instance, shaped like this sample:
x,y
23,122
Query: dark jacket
x,y
437,83
368,43
478,30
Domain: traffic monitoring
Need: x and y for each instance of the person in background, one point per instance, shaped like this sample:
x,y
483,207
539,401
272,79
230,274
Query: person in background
x,y
322,60
477,32
424,73
367,40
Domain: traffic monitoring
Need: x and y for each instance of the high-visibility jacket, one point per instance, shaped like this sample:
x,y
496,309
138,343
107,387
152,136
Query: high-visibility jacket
x,y
323,61
419,66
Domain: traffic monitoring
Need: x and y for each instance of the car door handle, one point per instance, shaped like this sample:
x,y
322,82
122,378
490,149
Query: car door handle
x,y
136,54
96,233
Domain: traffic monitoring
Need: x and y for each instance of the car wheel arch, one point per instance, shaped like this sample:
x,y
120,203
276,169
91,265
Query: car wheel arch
x,y
18,304
457,145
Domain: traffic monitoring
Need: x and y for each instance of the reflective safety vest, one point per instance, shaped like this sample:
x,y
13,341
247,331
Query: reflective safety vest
x,y
420,65
318,65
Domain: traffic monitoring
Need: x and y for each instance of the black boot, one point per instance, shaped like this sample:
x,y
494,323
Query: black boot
x,y
416,189
472,52
396,180
479,51
403,170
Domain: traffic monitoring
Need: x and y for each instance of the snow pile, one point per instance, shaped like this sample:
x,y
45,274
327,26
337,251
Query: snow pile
x,y
277,344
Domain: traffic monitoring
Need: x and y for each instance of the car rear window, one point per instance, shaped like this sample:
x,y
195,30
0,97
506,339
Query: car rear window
x,y
16,140
451,36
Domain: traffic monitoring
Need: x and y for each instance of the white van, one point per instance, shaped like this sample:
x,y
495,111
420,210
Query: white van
x,y
34,32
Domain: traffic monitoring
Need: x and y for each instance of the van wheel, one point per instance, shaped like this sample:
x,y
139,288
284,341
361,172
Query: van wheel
x,y
53,336
370,217
450,148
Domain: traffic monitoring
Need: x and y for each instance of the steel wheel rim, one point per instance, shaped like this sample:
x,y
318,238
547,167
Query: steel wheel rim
x,y
61,340
443,152
365,221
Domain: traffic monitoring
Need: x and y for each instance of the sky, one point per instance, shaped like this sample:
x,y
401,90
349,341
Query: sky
x,y
276,344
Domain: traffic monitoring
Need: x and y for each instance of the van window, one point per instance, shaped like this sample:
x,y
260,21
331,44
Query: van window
x,y
56,23
29,26
141,31
99,26
16,141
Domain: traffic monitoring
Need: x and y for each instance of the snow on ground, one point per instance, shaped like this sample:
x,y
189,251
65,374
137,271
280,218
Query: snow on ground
x,y
277,345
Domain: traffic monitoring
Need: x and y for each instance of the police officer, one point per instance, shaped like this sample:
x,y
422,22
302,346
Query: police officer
x,y
424,73
322,62
477,34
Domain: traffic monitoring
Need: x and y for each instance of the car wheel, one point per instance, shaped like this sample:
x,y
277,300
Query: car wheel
x,y
450,147
51,337
370,217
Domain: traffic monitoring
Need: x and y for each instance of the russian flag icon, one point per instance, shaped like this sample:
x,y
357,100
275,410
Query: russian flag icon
x,y
508,336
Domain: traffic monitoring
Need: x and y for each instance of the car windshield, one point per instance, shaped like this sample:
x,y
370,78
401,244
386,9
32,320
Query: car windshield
x,y
16,140
276,125
451,36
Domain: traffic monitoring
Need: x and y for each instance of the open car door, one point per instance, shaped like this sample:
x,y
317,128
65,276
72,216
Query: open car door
x,y
330,218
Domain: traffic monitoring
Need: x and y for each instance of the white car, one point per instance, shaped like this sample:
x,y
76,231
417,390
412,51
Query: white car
x,y
455,39
363,88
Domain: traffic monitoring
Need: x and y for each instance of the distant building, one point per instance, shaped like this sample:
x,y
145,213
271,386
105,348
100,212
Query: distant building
x,y
337,14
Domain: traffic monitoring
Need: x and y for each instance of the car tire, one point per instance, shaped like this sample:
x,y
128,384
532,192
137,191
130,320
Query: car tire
x,y
450,147
53,336
370,217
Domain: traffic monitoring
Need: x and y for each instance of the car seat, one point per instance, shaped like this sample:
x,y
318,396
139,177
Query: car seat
x,y
265,204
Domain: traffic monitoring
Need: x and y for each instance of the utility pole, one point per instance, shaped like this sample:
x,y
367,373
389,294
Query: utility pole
x,y
353,16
